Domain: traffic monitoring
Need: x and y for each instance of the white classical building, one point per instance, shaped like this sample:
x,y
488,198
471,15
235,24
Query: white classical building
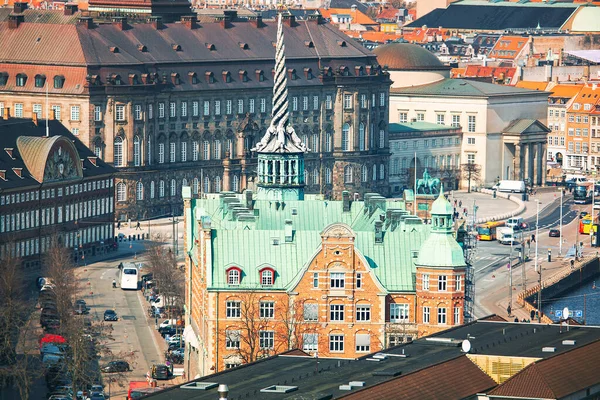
x,y
490,115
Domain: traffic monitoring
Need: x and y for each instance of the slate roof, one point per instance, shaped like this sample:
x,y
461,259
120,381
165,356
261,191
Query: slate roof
x,y
391,263
455,379
37,147
463,88
348,4
555,377
497,16
489,338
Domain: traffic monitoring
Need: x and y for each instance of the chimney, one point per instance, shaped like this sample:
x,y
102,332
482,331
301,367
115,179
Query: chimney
x,y
249,201
316,18
19,7
15,20
6,113
34,119
231,14
70,9
189,21
289,231
156,22
224,21
120,22
257,22
378,232
88,22
346,201
289,20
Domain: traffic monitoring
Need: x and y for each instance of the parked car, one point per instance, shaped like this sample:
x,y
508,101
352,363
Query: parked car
x,y
161,371
175,345
168,322
96,396
178,338
81,309
147,277
554,233
116,366
110,315
167,330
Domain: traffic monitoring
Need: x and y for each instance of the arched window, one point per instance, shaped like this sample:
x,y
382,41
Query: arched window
x,y
195,149
217,184
184,182
364,173
381,171
329,142
196,186
395,166
206,150
21,79
315,177
374,172
161,188
137,155
346,137
234,276
361,136
118,152
59,81
206,185
139,191
328,176
235,183
121,192
217,150
267,277
161,153
98,149
173,187
348,174
315,143
151,189
184,151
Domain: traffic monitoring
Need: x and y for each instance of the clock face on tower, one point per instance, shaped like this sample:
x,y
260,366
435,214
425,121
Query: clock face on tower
x,y
59,165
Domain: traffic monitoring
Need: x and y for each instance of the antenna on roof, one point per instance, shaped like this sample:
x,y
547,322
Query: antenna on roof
x,y
47,128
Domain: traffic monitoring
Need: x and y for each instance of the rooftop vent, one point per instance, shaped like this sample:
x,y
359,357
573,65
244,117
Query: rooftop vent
x,y
199,385
9,151
210,46
18,172
352,385
548,349
244,46
113,49
341,43
3,174
142,48
388,372
279,389
176,47
568,342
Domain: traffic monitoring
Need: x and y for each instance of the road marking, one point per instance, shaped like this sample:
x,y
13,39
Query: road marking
x,y
490,264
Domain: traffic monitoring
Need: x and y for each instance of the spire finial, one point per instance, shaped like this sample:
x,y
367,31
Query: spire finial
x,y
285,138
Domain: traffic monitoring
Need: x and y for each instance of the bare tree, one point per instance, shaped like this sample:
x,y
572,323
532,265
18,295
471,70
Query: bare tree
x,y
293,323
168,278
471,172
20,367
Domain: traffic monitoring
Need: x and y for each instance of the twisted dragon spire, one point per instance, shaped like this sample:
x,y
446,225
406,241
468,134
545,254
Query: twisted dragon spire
x,y
280,136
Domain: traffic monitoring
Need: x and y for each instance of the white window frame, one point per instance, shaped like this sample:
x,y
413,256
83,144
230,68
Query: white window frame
x,y
337,280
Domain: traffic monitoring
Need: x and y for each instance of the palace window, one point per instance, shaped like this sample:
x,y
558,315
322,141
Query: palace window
x,y
346,137
310,311
425,281
347,101
173,187
363,342
118,151
121,192
348,174
120,112
232,339
310,341
161,188
139,191
458,283
456,315
172,152
136,151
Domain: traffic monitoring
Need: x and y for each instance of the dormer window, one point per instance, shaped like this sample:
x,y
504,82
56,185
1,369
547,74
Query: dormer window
x,y
308,73
21,80
193,78
210,46
244,46
3,78
260,75
142,48
134,79
226,77
243,75
210,77
267,276
292,74
175,78
116,79
176,47
40,80
234,276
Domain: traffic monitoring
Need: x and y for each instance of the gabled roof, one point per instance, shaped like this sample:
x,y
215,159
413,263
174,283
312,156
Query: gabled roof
x,y
357,16
565,91
587,95
522,125
508,47
458,378
555,377
388,13
497,16
477,71
463,88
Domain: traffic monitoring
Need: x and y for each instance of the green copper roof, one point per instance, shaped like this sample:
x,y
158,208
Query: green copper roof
x,y
251,245
464,88
410,127
441,250
441,205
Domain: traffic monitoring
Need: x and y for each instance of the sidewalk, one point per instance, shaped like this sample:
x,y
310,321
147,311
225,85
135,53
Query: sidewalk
x,y
546,197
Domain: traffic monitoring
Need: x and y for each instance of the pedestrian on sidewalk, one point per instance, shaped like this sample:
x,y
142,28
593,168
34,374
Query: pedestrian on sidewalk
x,y
455,201
516,319
533,238
119,225
137,227
460,203
508,310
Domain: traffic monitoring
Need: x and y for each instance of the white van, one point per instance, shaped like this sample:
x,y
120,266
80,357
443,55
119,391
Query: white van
x,y
510,186
505,235
515,223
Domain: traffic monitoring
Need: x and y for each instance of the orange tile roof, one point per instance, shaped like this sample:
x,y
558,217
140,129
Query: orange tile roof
x,y
457,72
533,85
587,95
566,91
508,47
478,71
378,37
422,35
388,13
358,17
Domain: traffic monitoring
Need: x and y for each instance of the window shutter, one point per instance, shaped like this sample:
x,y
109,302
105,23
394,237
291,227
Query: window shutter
x,y
311,312
363,339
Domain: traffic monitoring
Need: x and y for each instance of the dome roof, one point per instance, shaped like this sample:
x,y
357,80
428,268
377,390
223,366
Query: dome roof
x,y
586,20
406,56
441,251
441,205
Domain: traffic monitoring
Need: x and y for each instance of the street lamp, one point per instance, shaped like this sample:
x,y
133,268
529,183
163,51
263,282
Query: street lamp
x,y
561,221
539,271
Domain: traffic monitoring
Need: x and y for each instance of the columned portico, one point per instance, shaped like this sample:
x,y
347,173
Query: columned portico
x,y
524,143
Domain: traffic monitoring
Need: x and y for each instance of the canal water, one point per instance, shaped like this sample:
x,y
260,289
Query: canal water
x,y
583,303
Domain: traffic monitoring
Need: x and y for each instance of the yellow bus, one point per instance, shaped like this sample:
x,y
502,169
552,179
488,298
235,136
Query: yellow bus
x,y
585,224
487,231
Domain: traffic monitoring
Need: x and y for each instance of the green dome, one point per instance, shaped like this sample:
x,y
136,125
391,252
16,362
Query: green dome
x,y
441,251
441,206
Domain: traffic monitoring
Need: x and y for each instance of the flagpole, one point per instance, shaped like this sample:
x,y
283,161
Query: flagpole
x,y
415,187
47,128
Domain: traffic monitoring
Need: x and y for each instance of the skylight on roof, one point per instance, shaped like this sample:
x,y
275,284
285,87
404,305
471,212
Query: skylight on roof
x,y
199,385
279,389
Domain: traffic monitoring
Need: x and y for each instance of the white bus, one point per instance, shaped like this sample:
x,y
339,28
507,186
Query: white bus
x,y
129,274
